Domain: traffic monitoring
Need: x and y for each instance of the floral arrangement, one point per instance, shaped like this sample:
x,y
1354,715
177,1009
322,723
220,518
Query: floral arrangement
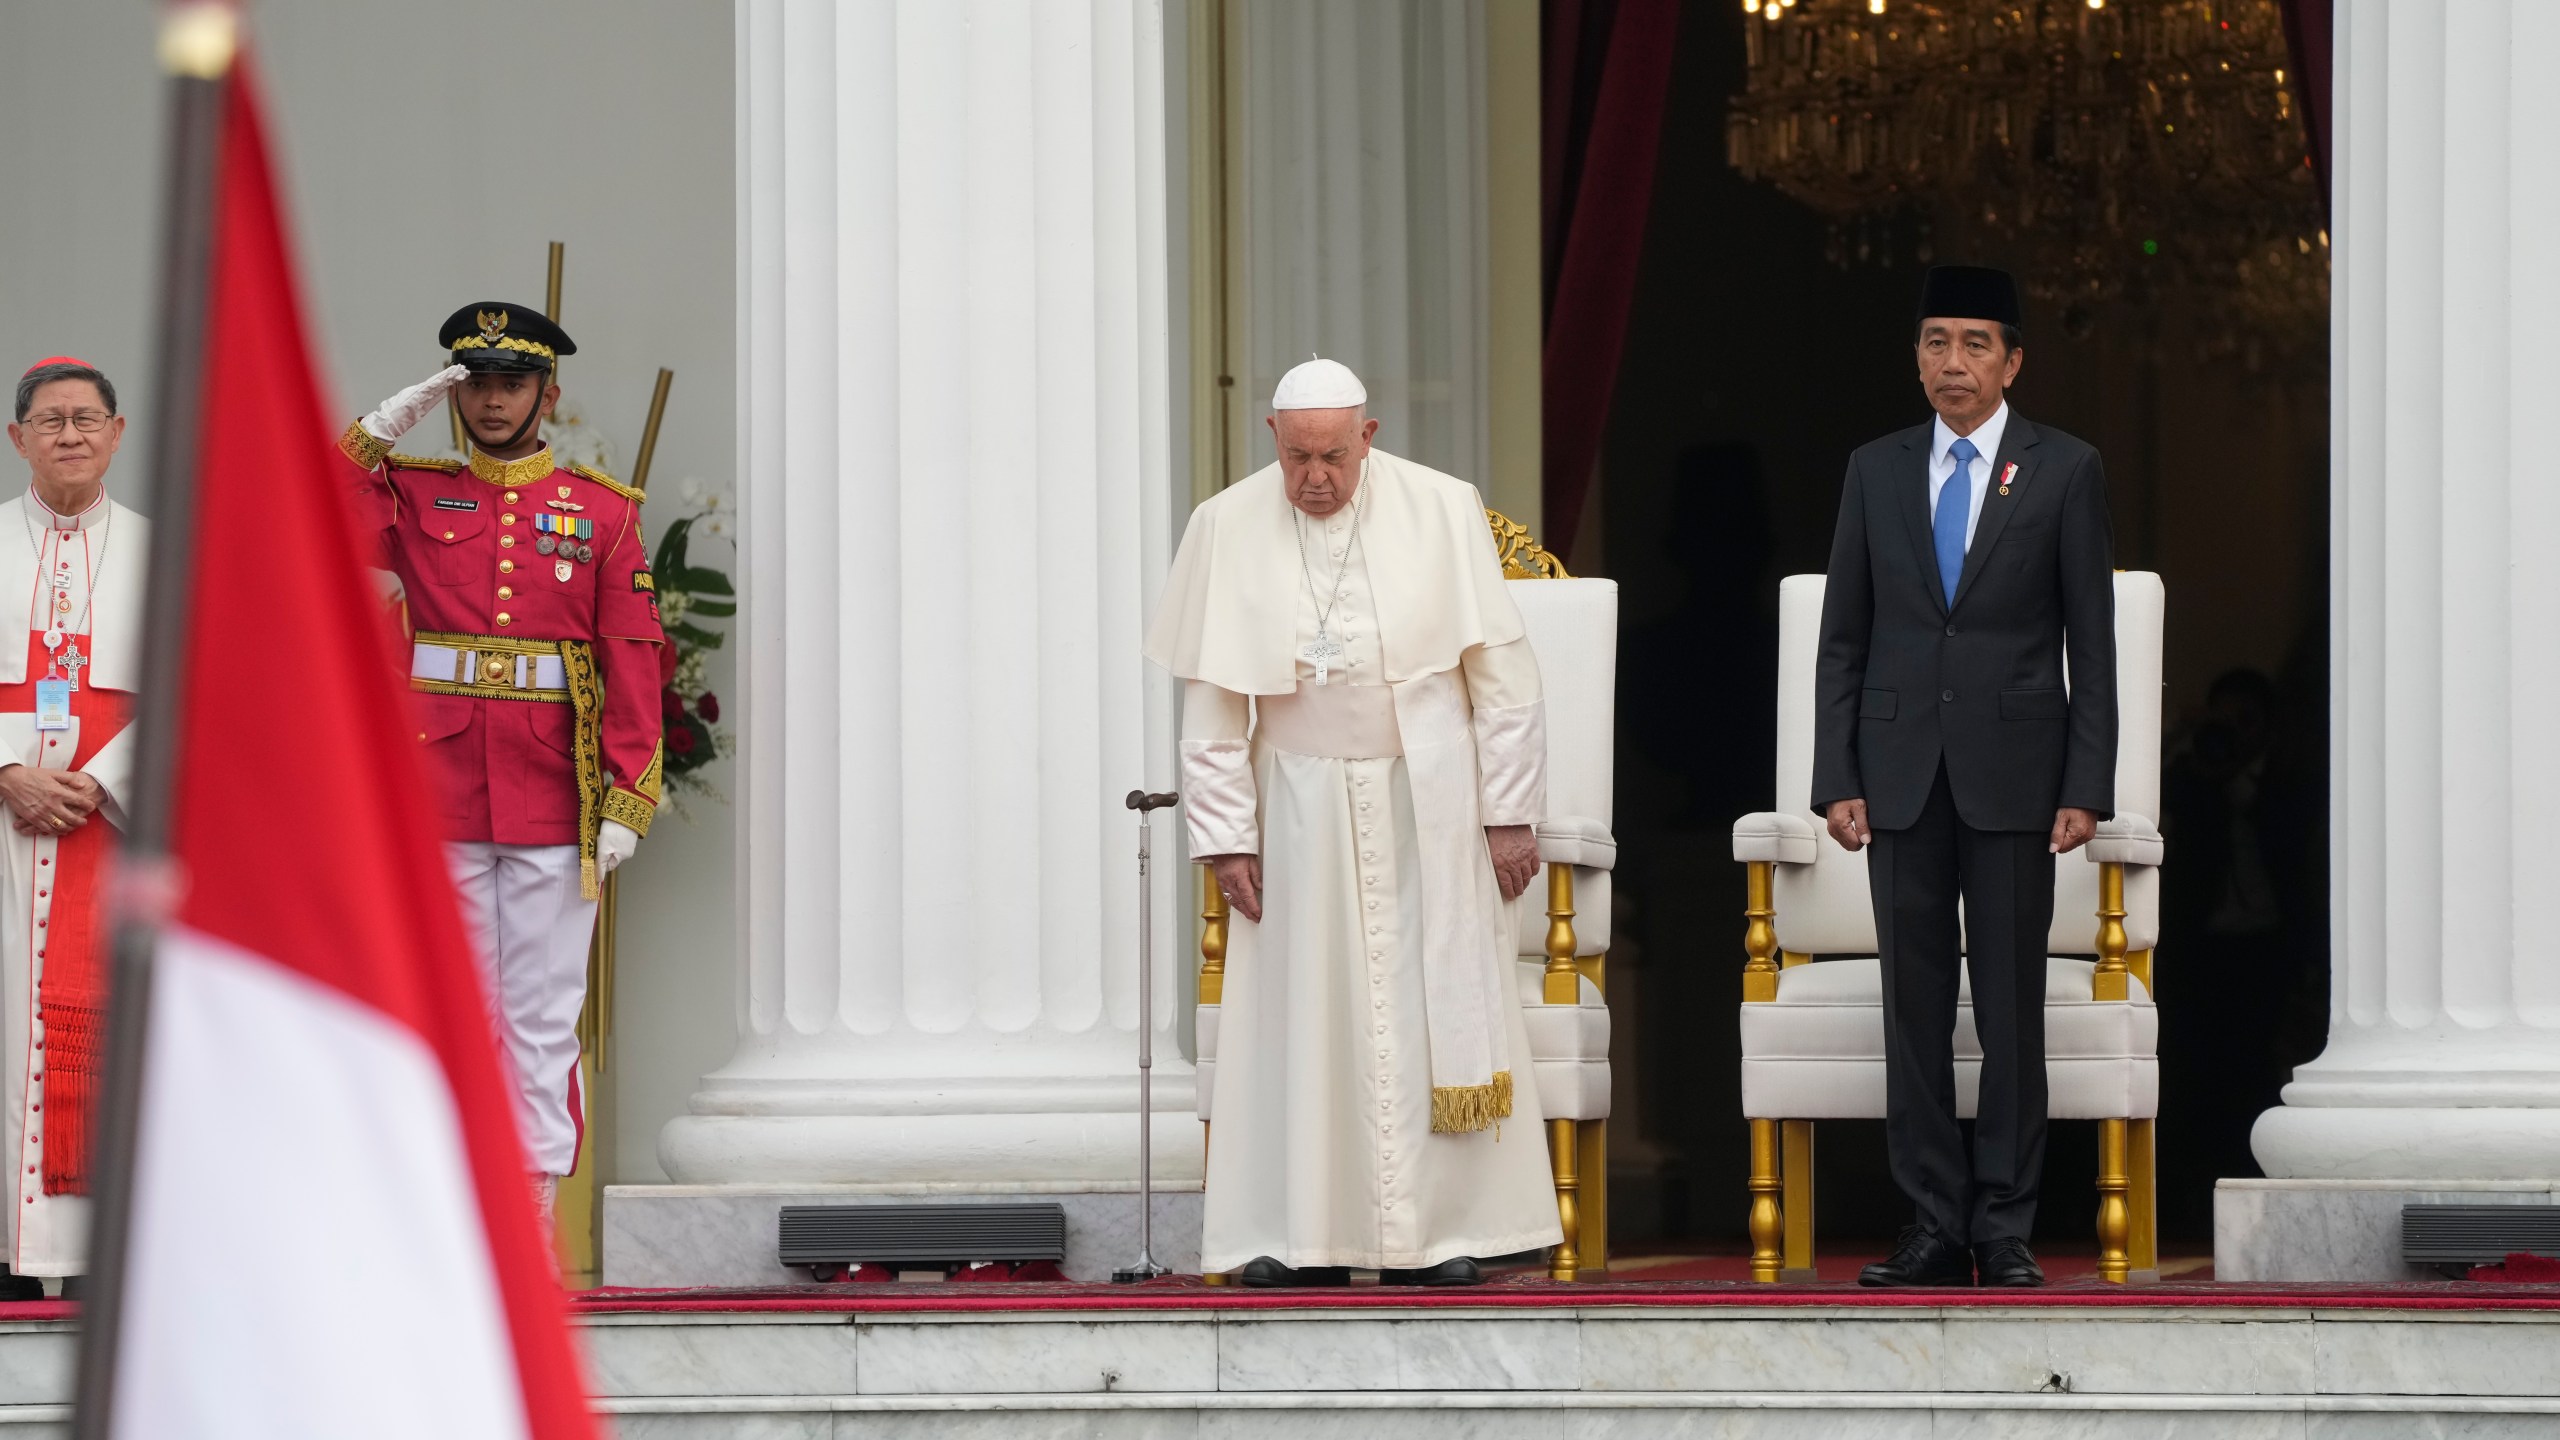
x,y
689,595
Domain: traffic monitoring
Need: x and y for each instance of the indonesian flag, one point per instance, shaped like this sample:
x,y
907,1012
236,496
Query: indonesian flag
x,y
333,1232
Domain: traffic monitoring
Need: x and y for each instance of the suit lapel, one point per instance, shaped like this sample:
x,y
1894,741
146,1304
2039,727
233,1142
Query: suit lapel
x,y
2017,447
1912,486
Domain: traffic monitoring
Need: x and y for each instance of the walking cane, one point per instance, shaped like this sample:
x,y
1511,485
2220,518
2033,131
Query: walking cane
x,y
1146,1268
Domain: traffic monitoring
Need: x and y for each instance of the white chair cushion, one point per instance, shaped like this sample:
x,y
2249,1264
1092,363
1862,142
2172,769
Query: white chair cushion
x,y
1577,840
1573,629
1817,1051
1568,1048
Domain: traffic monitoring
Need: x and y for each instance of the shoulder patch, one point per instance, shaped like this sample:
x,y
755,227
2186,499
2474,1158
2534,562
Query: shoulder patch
x,y
643,580
423,462
617,487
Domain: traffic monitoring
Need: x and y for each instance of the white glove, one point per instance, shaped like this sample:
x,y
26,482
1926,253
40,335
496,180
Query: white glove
x,y
393,419
387,587
615,843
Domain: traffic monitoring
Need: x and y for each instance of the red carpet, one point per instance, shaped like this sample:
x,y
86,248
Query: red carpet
x,y
1524,1292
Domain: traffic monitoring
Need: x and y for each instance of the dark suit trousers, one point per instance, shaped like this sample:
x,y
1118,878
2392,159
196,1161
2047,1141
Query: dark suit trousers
x,y
2006,879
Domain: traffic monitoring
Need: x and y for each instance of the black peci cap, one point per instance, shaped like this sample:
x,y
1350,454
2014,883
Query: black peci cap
x,y
496,337
1970,292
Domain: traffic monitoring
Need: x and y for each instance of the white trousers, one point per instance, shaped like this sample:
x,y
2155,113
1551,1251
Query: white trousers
x,y
531,931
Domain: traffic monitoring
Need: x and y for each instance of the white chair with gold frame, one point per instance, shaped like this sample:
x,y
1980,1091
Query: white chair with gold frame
x,y
1573,628
1813,1033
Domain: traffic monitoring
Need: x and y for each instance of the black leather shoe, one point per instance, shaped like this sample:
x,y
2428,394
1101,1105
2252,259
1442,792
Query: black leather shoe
x,y
1921,1257
14,1286
2008,1264
1456,1270
1264,1273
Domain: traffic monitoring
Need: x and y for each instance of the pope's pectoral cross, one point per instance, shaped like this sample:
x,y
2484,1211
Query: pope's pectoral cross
x,y
1321,652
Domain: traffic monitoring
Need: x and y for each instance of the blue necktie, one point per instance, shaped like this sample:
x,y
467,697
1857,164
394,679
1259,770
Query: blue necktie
x,y
1955,505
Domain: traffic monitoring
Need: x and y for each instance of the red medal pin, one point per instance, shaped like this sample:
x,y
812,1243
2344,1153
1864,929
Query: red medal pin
x,y
2007,475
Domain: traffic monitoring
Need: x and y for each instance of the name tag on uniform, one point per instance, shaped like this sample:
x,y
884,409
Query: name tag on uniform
x,y
449,503
53,704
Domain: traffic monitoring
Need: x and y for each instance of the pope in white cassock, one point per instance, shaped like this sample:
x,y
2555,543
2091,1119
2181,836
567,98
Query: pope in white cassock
x,y
1363,760
76,560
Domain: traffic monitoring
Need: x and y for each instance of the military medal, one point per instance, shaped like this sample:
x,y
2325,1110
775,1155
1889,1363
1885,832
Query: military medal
x,y
586,554
2007,475
545,545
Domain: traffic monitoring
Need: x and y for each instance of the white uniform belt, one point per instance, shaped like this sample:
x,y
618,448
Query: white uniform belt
x,y
502,668
1335,722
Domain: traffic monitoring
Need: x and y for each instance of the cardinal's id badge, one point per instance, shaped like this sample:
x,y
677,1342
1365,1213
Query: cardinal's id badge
x,y
53,704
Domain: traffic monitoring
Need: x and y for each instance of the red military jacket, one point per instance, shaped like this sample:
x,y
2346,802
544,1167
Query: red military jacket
x,y
463,540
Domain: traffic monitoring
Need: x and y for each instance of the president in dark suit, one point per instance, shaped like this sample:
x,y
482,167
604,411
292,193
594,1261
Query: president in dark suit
x,y
1973,557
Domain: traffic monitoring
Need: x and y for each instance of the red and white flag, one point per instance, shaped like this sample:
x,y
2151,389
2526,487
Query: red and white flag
x,y
332,1232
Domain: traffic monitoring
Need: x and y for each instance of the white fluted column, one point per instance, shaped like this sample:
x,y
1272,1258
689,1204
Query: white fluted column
x,y
2443,1061
955,462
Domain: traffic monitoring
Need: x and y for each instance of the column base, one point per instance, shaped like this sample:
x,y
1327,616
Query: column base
x,y
2338,1230
661,1236
2391,1143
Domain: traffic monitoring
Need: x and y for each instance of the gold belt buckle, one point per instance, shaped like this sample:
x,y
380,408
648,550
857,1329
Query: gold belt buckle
x,y
497,670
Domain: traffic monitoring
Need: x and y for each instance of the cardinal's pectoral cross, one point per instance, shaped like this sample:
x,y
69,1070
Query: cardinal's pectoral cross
x,y
72,664
1321,652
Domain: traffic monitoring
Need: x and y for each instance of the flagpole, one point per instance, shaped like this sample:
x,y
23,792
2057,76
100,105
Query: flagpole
x,y
197,44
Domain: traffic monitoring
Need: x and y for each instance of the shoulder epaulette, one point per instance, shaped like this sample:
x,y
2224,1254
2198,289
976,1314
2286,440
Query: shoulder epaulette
x,y
425,462
627,492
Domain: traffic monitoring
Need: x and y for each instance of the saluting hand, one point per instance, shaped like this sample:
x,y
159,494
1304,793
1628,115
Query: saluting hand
x,y
394,417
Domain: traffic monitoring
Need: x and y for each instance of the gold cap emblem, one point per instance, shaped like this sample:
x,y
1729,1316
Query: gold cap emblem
x,y
492,326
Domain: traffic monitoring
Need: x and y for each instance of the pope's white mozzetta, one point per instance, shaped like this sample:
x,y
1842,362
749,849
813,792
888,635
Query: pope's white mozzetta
x,y
1367,1113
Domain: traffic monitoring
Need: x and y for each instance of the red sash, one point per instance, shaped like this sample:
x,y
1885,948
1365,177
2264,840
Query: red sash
x,y
71,998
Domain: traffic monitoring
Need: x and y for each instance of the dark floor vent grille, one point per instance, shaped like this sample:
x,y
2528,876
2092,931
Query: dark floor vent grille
x,y
922,1235
2477,1234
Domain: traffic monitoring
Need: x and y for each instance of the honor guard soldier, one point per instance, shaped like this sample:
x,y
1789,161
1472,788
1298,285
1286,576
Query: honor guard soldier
x,y
534,658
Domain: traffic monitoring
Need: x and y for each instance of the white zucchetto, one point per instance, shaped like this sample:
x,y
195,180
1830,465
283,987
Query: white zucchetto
x,y
1319,384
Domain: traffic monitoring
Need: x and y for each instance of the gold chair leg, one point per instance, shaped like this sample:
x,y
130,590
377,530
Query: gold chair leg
x,y
2114,1221
2143,1245
1591,1215
1566,1262
1213,980
1795,1171
1768,1222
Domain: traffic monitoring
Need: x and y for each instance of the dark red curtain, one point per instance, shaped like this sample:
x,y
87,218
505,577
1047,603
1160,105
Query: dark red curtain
x,y
1607,72
2307,33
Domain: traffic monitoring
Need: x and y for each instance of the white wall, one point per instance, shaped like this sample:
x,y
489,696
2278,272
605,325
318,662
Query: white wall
x,y
430,152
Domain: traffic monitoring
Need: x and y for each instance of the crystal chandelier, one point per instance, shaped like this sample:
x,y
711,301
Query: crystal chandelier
x,y
2105,149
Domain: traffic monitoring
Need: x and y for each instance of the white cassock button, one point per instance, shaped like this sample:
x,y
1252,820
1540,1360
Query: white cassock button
x,y
1364,805
1373,904
1373,930
1364,829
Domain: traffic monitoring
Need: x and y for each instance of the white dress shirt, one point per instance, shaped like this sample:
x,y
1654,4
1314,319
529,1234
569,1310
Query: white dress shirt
x,y
1942,466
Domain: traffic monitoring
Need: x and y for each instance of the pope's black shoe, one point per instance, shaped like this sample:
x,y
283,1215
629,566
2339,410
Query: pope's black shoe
x,y
1922,1257
2008,1264
1457,1270
1264,1273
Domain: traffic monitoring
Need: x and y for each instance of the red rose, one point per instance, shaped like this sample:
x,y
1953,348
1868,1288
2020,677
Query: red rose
x,y
680,739
671,704
667,658
708,707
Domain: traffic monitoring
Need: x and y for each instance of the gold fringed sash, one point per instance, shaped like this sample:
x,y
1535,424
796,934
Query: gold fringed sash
x,y
1460,1109
586,698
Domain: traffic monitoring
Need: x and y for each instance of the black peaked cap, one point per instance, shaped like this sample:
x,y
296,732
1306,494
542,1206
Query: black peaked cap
x,y
495,336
